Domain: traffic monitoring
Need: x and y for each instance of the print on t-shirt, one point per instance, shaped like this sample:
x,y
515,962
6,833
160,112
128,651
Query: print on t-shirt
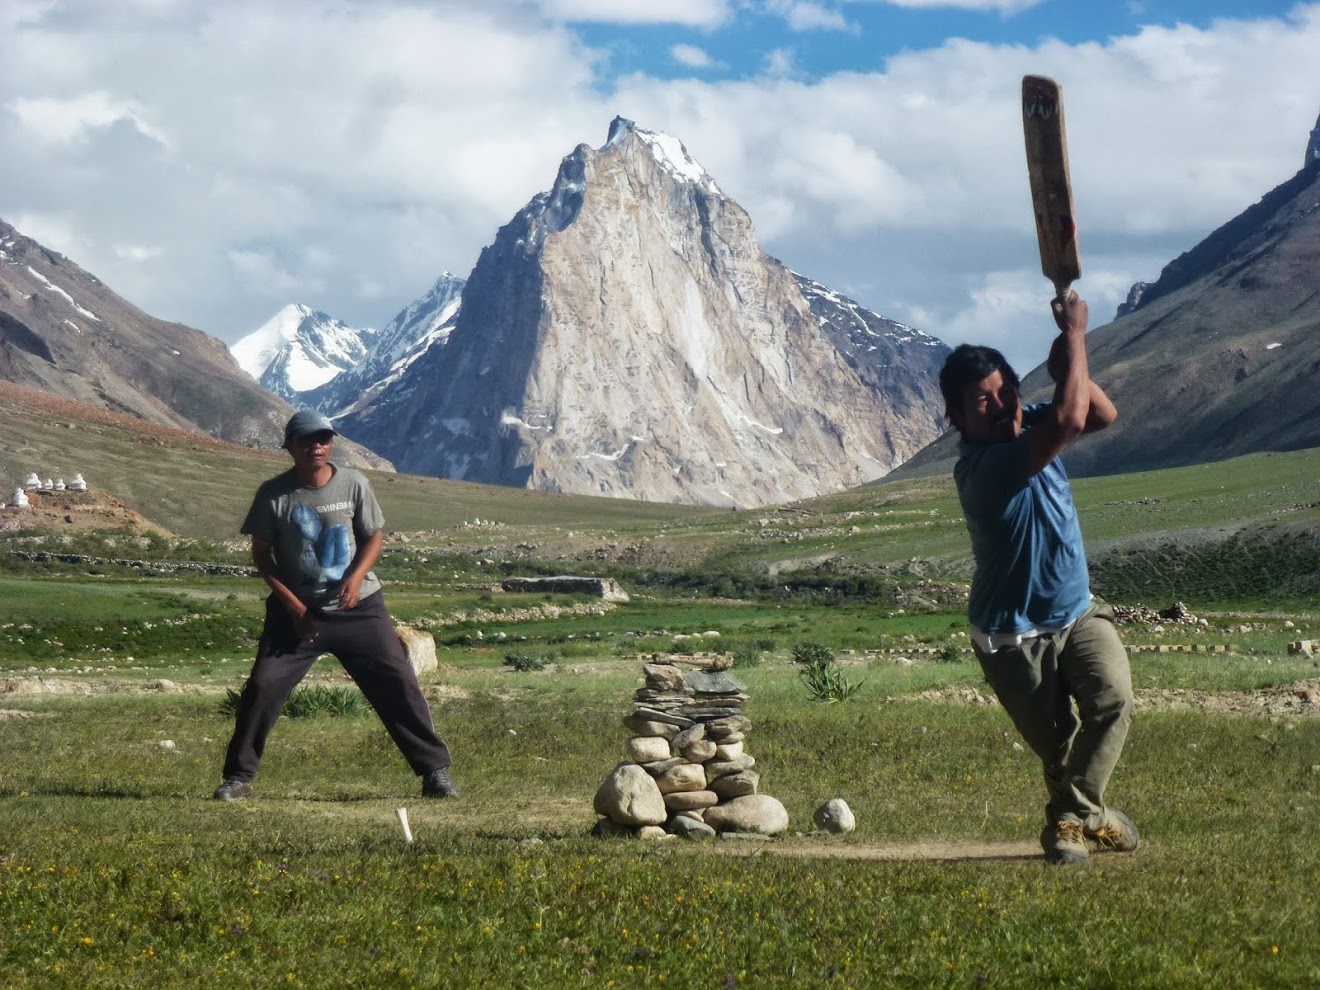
x,y
325,555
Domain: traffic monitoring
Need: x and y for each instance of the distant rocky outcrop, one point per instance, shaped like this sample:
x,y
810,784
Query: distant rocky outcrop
x,y
566,584
625,335
1133,301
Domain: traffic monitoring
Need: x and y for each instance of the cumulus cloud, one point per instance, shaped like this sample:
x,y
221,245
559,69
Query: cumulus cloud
x,y
691,56
65,120
696,13
802,15
993,6
136,252
213,162
779,62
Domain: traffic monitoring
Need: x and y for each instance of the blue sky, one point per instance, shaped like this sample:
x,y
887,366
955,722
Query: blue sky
x,y
213,162
858,36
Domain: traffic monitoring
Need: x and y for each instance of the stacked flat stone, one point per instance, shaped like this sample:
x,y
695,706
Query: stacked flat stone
x,y
688,772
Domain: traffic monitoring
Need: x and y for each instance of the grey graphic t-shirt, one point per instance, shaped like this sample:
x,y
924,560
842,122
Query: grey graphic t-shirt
x,y
315,531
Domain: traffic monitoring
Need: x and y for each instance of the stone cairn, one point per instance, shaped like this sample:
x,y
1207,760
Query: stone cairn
x,y
688,773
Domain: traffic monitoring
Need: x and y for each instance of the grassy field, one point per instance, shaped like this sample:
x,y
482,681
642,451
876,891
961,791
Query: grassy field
x,y
117,871
118,649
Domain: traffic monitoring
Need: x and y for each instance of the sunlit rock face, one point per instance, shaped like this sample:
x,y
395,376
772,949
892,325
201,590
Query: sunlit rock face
x,y
625,335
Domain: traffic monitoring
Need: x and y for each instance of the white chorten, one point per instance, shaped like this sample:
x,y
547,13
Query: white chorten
x,y
20,499
59,484
33,482
48,484
77,484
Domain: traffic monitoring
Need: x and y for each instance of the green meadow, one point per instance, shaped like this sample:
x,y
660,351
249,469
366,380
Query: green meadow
x,y
118,651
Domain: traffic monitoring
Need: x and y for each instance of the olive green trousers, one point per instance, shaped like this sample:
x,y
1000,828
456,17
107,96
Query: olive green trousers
x,y
1040,682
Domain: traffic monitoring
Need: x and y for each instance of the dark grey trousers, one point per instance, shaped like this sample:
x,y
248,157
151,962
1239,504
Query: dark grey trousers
x,y
364,641
1038,682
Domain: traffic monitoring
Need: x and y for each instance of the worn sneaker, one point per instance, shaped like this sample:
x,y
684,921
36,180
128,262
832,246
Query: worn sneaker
x,y
233,790
438,784
1064,842
1117,834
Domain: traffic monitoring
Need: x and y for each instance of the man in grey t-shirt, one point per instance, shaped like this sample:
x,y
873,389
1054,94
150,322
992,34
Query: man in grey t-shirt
x,y
316,534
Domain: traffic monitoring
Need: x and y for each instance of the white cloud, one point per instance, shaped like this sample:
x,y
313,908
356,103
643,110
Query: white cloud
x,y
695,13
992,6
70,119
137,252
802,15
779,62
261,270
691,56
16,13
343,154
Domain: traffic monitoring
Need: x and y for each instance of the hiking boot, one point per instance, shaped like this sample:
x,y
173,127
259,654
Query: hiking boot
x,y
438,784
1064,842
1117,834
233,790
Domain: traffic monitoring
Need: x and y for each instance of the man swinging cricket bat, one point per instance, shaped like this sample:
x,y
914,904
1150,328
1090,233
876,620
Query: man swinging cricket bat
x,y
1044,642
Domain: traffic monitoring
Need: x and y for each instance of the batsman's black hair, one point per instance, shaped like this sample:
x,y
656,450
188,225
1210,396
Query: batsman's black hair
x,y
967,365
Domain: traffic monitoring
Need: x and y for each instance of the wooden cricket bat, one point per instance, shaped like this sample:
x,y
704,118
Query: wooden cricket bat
x,y
1051,188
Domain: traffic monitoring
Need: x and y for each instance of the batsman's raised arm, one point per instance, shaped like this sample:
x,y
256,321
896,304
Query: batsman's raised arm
x,y
1100,410
1079,404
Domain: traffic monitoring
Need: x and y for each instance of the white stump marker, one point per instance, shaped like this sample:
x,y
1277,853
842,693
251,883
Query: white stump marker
x,y
403,823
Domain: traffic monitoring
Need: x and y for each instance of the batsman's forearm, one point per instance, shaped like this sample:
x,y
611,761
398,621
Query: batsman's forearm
x,y
1072,392
1102,410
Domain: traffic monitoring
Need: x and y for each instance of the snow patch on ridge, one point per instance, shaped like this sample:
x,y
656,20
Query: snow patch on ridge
x,y
52,287
772,430
673,157
509,419
667,151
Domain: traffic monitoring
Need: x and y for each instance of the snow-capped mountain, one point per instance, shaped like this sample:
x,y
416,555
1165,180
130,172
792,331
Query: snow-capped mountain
x,y
894,359
422,324
300,349
625,335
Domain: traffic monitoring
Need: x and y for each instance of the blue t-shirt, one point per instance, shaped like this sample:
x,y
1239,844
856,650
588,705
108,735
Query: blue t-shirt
x,y
1027,544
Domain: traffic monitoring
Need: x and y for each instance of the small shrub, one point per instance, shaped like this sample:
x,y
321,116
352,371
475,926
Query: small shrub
x,y
826,683
526,662
746,658
229,706
812,654
324,699
308,702
765,645
949,653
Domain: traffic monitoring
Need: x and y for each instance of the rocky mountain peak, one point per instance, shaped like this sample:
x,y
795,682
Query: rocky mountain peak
x,y
422,325
625,335
1313,145
667,153
300,349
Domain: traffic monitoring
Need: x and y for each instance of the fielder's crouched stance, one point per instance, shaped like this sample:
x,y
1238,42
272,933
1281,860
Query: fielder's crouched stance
x,y
316,534
1043,641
